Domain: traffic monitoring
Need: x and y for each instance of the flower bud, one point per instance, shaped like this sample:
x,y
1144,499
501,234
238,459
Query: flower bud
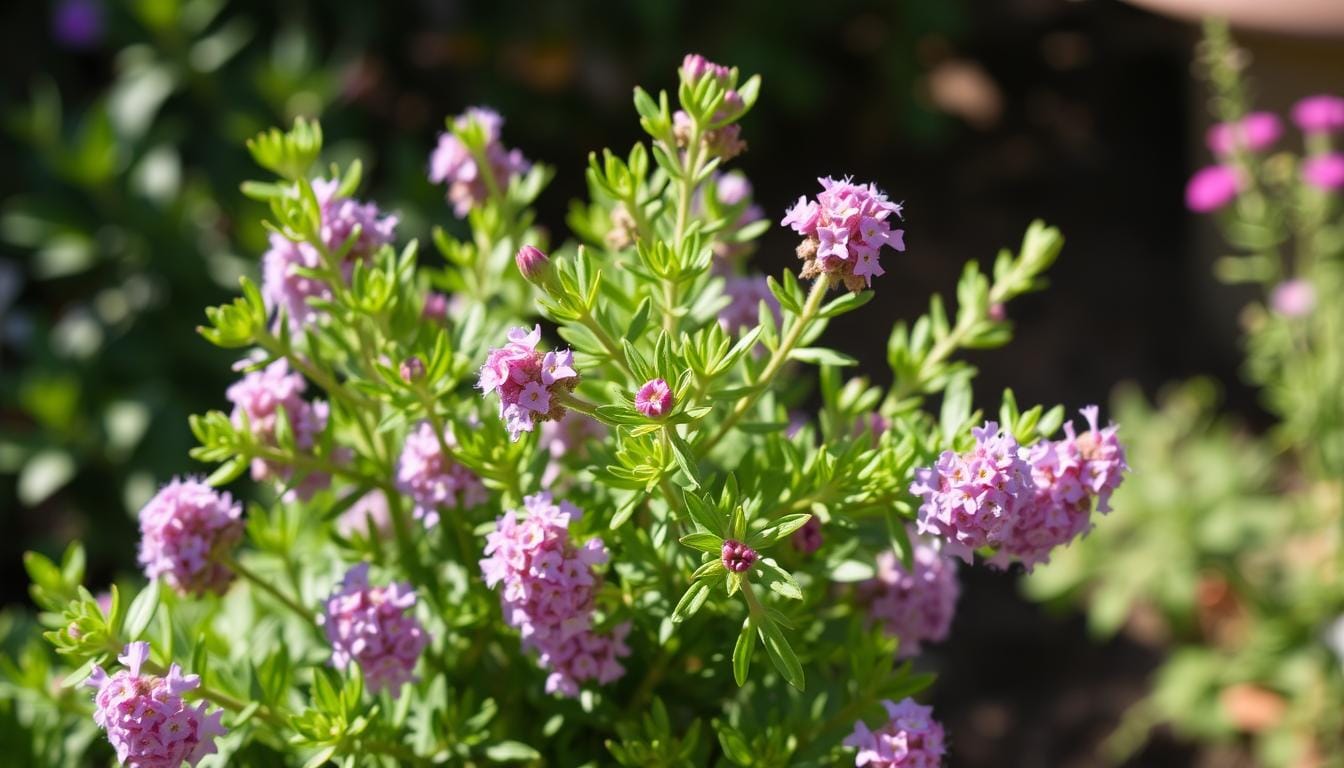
x,y
436,307
737,557
532,263
412,369
654,399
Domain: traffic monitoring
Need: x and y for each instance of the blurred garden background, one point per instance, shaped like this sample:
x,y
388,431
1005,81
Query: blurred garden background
x,y
120,218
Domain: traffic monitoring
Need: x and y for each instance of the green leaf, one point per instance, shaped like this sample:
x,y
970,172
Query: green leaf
x,y
847,303
781,654
683,454
706,515
746,643
322,757
822,356
778,580
691,601
956,409
705,542
142,610
777,531
511,751
639,321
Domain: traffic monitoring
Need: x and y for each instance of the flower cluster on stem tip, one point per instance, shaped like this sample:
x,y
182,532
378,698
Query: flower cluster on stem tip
x,y
285,287
548,593
529,382
915,605
186,529
432,479
454,164
375,628
844,231
1021,501
725,139
910,738
146,720
737,557
258,398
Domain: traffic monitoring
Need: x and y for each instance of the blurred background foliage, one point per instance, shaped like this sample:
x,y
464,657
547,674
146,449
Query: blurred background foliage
x,y
120,219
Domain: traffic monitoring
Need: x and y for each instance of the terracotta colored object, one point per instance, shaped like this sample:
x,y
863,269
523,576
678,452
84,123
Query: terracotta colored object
x,y
1310,17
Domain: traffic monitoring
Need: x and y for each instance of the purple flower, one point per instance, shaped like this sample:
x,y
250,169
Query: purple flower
x,y
746,294
436,307
548,592
411,369
184,531
532,262
694,66
845,229
1320,114
1324,171
527,380
723,141
971,500
374,628
372,506
654,399
433,480
1293,298
77,24
737,557
146,720
732,191
910,738
453,164
1255,132
284,288
917,605
258,398
808,539
1212,188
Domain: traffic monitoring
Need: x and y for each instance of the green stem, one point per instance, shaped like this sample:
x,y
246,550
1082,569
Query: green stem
x,y
575,403
270,589
609,344
777,360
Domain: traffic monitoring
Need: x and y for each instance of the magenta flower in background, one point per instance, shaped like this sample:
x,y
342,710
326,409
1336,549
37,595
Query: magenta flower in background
x,y
1255,132
184,531
808,539
432,480
732,189
375,628
548,593
845,229
77,24
528,380
146,720
436,306
1293,298
371,507
910,738
257,400
452,163
1323,113
284,288
971,500
1324,171
654,399
917,605
745,294
1212,188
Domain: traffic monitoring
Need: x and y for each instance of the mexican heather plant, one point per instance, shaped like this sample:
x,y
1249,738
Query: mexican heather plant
x,y
533,507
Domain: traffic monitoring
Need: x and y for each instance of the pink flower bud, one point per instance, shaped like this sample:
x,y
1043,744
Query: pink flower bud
x,y
1319,114
1211,188
412,369
738,557
1324,171
532,263
654,399
436,307
1293,298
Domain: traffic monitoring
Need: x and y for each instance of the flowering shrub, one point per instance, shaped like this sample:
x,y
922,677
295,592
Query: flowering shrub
x,y
560,541
1229,548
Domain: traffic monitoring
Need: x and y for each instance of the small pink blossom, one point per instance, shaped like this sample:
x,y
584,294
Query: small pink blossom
x,y
185,530
745,294
375,628
452,163
910,738
146,720
914,605
845,229
1324,171
432,480
1255,132
1293,298
527,380
258,400
654,399
531,262
1212,188
1320,114
808,539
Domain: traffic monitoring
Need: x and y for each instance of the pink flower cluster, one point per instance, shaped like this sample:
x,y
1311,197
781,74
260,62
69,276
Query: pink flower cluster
x,y
732,191
1023,502
146,720
745,294
374,628
736,556
724,140
910,738
452,162
845,229
548,593
1215,186
433,480
258,398
184,530
914,605
282,285
528,380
